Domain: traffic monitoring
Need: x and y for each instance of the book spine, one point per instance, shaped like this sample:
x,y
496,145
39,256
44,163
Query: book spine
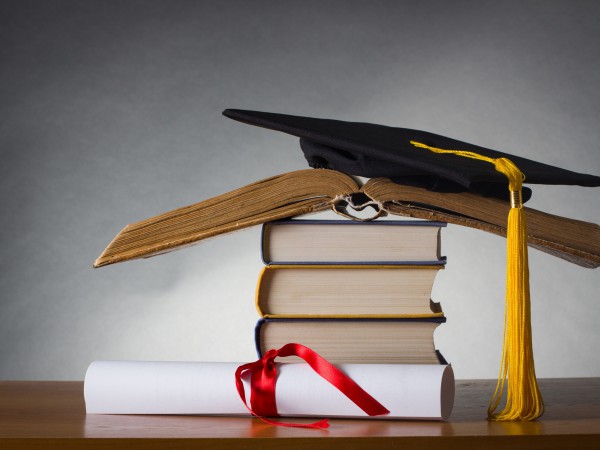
x,y
264,233
257,296
257,340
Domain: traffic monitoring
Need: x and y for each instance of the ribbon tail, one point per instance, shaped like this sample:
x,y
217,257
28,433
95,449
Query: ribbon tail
x,y
337,378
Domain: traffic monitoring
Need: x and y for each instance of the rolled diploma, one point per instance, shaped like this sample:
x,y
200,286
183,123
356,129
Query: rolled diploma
x,y
208,388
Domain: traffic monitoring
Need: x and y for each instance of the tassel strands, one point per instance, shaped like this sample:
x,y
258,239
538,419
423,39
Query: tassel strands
x,y
517,370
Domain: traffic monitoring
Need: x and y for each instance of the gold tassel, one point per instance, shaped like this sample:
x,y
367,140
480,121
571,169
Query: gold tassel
x,y
517,371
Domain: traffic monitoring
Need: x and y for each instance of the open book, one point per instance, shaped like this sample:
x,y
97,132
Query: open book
x,y
313,190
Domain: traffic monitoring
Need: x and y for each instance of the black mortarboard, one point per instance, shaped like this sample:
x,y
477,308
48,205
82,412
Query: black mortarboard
x,y
371,150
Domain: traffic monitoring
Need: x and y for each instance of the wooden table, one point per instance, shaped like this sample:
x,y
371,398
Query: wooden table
x,y
52,414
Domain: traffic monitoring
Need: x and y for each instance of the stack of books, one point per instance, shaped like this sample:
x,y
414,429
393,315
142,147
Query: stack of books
x,y
354,292
357,293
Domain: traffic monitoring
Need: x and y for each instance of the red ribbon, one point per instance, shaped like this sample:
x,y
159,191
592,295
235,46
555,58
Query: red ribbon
x,y
264,377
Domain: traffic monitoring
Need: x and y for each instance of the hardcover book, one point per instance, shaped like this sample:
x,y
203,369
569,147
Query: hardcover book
x,y
348,241
360,341
347,291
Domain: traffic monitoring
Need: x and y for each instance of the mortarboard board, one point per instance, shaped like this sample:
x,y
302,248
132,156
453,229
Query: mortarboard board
x,y
408,157
371,150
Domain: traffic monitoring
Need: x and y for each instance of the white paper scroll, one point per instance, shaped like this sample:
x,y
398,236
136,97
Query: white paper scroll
x,y
129,387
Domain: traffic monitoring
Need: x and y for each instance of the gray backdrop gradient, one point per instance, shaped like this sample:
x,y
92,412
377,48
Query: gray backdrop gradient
x,y
110,112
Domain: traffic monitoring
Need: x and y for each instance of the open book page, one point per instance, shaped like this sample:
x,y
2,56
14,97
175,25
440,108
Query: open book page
x,y
307,191
278,197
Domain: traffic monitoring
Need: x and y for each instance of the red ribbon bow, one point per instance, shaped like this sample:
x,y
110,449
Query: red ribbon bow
x,y
264,377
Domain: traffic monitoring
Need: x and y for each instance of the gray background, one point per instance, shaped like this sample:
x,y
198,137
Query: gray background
x,y
110,112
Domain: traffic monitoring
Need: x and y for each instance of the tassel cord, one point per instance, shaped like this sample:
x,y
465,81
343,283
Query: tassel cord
x,y
517,370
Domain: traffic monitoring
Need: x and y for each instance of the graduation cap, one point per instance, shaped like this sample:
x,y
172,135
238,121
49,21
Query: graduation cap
x,y
472,178
371,150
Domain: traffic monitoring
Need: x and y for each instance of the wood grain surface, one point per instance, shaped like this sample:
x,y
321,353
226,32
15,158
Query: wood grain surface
x,y
52,415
